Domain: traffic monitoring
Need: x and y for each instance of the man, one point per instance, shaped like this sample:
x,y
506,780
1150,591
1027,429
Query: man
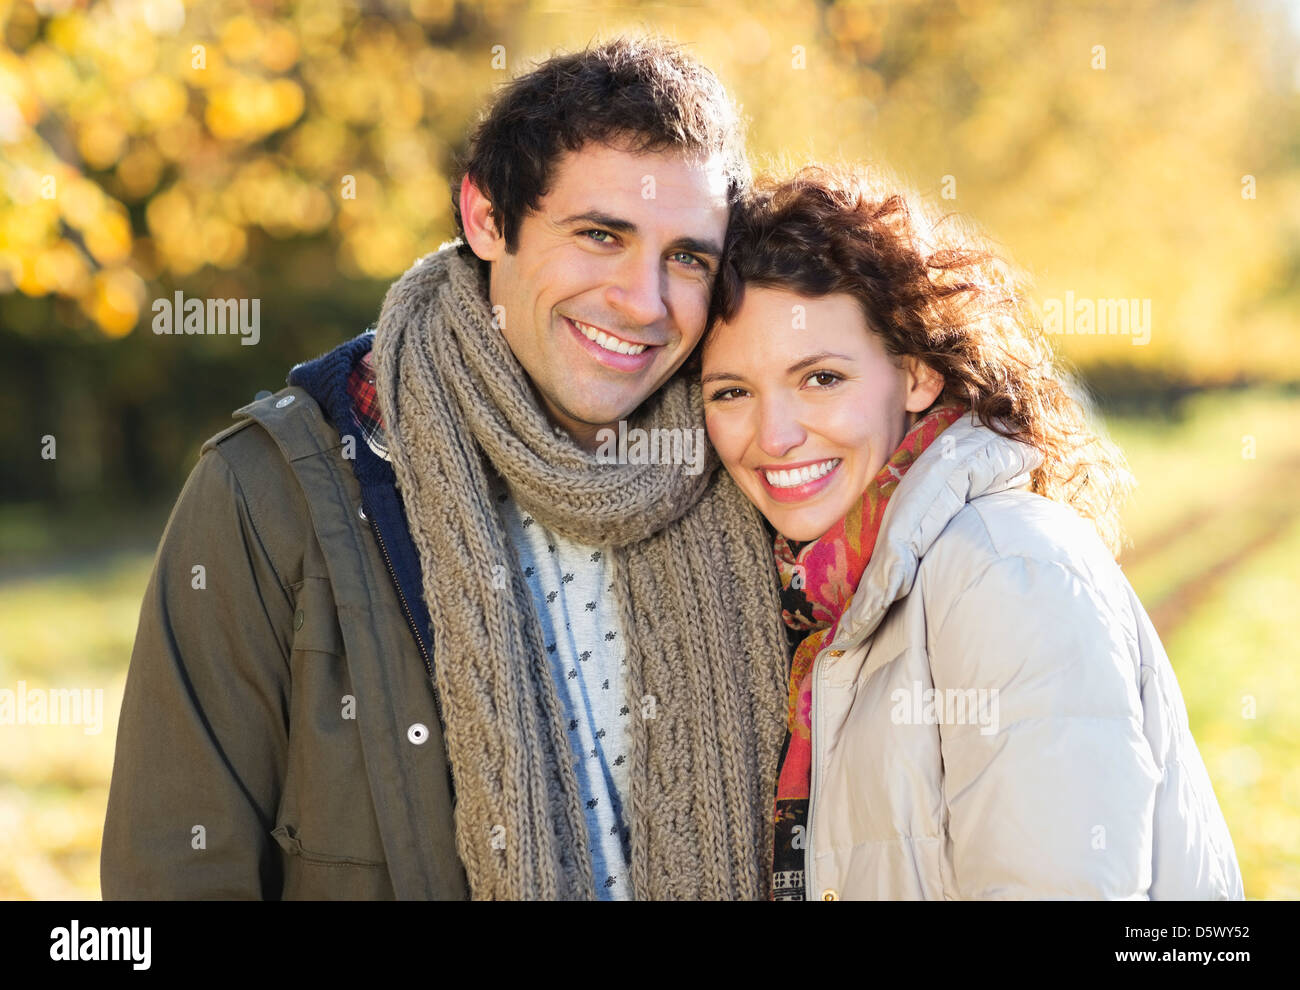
x,y
407,634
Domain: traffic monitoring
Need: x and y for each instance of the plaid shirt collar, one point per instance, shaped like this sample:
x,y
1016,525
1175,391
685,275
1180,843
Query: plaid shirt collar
x,y
365,406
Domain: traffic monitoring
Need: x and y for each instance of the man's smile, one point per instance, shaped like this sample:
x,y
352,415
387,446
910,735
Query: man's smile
x,y
610,351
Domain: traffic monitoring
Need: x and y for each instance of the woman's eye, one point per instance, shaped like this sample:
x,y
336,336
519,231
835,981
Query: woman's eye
x,y
725,394
830,376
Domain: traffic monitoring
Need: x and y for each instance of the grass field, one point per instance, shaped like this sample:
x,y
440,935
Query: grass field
x,y
1216,540
1215,526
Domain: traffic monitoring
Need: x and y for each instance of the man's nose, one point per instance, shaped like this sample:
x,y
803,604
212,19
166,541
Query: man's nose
x,y
779,429
638,290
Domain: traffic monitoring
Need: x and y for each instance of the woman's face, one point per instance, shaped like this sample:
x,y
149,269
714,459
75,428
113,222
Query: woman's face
x,y
804,405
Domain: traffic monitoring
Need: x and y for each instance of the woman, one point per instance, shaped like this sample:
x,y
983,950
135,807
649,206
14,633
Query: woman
x,y
979,706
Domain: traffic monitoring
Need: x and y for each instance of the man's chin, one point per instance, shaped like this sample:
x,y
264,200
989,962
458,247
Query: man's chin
x,y
607,414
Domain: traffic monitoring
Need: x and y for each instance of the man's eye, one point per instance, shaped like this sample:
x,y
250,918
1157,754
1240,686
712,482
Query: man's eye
x,y
599,233
693,260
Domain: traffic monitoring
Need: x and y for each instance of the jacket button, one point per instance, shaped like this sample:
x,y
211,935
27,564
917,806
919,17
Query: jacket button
x,y
830,895
418,733
297,619
287,400
835,653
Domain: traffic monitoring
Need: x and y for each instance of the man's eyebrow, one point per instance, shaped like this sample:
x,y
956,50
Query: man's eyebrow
x,y
710,249
601,220
695,245
799,365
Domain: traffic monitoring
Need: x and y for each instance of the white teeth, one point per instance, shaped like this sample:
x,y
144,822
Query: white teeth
x,y
800,476
606,341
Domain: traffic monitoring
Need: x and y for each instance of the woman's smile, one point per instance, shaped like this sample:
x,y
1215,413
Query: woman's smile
x,y
799,481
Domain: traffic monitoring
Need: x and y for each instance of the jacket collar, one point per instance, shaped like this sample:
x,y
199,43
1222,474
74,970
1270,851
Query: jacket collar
x,y
325,379
966,461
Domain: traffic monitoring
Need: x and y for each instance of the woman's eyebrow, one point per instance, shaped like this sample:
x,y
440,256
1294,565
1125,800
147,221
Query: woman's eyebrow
x,y
813,359
799,365
718,376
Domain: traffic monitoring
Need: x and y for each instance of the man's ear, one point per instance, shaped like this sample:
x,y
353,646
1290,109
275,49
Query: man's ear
x,y
481,232
924,384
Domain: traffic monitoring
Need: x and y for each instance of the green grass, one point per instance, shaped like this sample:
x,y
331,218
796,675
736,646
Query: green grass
x,y
1195,464
70,618
70,629
1198,505
1235,659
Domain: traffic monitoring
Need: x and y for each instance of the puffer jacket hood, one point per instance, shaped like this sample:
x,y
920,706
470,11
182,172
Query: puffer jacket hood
x,y
965,462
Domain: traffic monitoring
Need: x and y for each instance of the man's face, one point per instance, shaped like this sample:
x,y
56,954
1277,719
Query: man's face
x,y
607,292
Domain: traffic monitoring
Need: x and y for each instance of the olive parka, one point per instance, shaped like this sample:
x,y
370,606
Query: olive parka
x,y
280,735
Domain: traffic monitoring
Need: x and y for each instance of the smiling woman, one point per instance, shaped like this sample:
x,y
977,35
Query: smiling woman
x,y
764,393
875,383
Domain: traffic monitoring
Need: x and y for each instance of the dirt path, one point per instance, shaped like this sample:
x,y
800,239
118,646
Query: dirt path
x,y
1287,473
1276,510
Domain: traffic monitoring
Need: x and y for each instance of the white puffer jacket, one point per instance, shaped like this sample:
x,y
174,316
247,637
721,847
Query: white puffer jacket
x,y
996,717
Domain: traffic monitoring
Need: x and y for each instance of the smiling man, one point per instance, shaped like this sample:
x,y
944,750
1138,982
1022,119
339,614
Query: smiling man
x,y
440,649
607,290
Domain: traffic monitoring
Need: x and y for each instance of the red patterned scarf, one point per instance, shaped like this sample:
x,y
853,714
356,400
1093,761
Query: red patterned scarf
x,y
818,581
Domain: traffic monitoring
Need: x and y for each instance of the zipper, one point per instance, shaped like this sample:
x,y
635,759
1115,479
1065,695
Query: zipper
x,y
410,618
808,886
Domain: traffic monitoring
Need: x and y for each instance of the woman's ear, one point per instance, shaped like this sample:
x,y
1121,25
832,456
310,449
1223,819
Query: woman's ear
x,y
476,214
924,384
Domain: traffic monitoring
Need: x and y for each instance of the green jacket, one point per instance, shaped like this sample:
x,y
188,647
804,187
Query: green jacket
x,y
279,735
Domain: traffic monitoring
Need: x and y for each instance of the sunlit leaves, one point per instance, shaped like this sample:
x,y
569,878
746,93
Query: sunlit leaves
x,y
213,120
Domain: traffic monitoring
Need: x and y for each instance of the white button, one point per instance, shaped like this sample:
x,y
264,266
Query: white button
x,y
284,402
418,733
830,895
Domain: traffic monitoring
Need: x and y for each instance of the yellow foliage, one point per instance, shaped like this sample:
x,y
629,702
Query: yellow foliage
x,y
116,296
1109,165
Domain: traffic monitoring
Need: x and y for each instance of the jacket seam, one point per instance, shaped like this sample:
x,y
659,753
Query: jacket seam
x,y
252,521
261,543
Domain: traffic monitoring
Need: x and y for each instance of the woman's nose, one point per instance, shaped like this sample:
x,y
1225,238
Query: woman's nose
x,y
779,430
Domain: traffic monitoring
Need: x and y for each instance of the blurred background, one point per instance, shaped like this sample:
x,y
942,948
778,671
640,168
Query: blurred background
x,y
1140,159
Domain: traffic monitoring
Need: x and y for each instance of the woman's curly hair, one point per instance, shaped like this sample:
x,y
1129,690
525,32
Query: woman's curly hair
x,y
933,287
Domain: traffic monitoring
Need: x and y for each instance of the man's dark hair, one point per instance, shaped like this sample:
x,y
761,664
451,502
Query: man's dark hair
x,y
642,93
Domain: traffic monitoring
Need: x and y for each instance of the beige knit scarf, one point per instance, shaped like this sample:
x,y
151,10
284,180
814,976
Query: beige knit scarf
x,y
697,599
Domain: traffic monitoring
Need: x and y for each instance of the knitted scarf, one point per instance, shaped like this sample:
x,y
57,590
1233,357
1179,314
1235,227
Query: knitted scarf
x,y
697,600
818,580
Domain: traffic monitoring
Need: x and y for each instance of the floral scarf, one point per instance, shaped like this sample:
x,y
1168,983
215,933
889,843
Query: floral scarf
x,y
818,580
